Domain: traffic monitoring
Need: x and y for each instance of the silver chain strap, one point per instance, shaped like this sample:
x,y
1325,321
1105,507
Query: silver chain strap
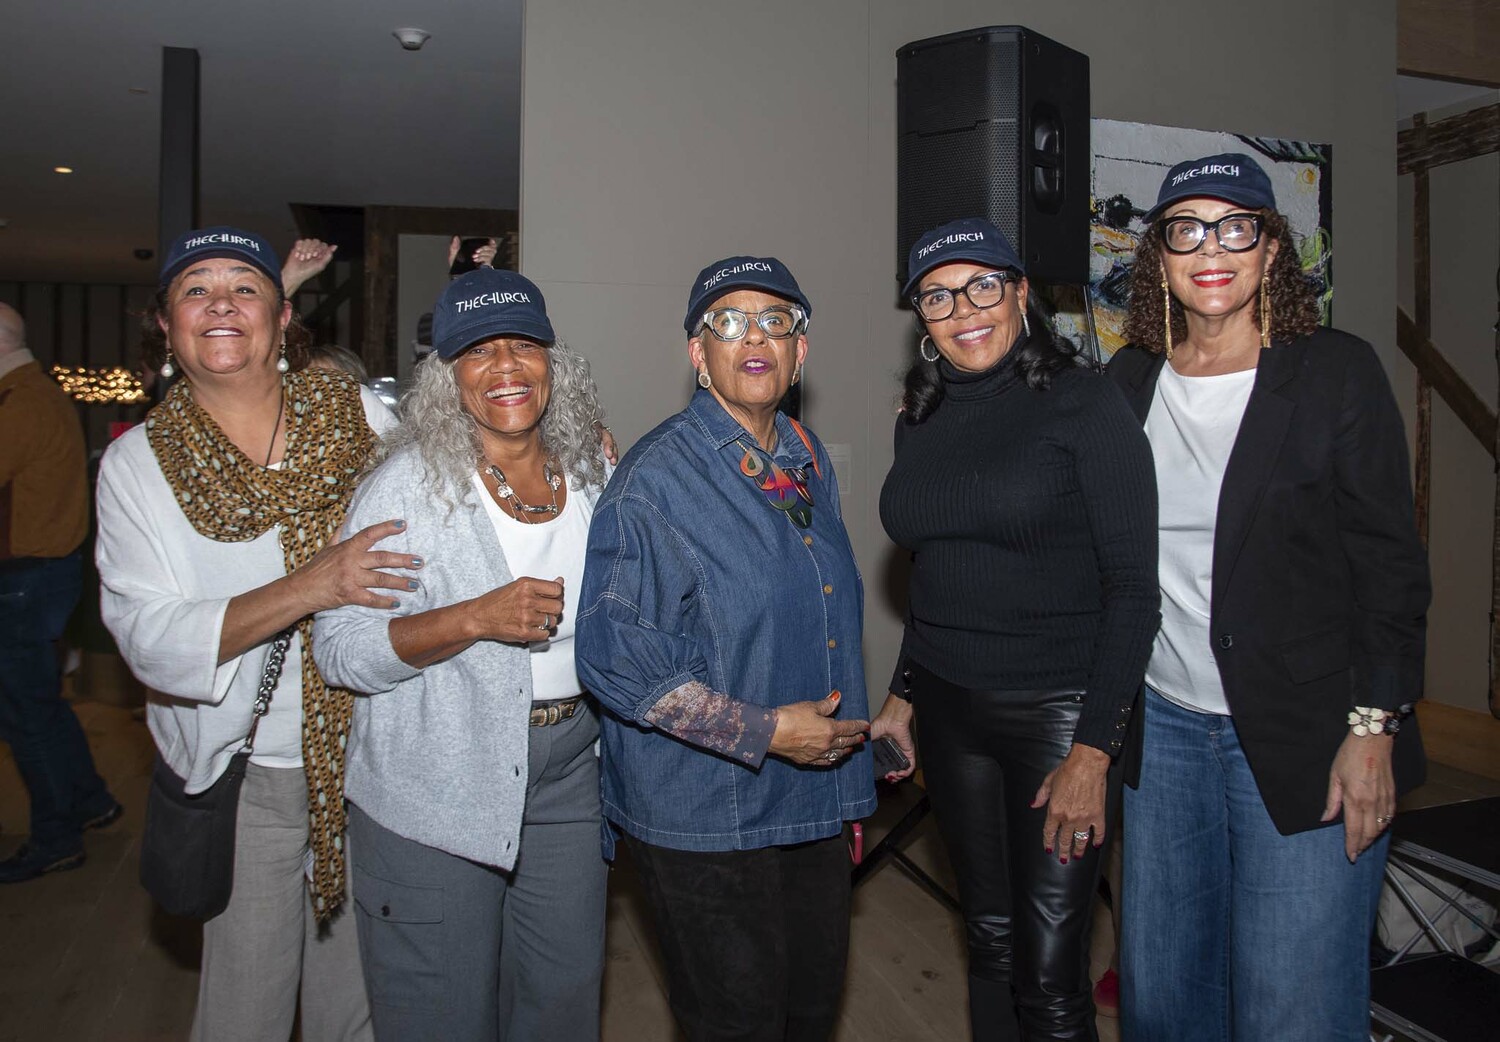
x,y
268,681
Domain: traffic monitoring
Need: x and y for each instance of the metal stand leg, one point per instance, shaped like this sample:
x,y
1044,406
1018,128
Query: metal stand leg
x,y
890,847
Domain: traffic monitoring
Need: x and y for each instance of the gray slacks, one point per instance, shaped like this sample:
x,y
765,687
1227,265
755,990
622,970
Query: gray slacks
x,y
454,949
267,943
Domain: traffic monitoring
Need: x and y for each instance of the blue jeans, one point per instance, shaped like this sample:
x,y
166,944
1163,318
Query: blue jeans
x,y
1232,931
36,597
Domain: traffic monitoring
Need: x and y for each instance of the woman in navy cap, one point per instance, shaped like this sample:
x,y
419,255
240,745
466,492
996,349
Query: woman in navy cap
x,y
1294,597
217,542
1024,491
720,627
473,783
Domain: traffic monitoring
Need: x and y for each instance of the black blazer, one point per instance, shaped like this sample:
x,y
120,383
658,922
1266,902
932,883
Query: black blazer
x,y
1320,584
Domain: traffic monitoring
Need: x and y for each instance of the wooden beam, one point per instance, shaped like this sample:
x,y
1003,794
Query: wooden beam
x,y
378,344
1451,387
1464,136
1449,40
1462,738
1422,279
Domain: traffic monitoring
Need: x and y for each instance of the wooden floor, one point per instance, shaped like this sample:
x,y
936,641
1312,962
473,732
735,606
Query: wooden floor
x,y
84,955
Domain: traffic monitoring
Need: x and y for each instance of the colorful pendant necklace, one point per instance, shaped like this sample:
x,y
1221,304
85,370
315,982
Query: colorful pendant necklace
x,y
521,509
784,488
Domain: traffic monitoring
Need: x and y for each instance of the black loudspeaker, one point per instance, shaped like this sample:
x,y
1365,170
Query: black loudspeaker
x,y
994,123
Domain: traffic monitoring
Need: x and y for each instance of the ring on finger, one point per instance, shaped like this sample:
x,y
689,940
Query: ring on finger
x,y
1383,820
1080,836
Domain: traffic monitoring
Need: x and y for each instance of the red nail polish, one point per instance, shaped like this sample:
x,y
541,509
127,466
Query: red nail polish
x,y
1064,860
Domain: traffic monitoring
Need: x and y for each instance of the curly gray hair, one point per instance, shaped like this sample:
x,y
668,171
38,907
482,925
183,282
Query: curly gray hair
x,y
433,420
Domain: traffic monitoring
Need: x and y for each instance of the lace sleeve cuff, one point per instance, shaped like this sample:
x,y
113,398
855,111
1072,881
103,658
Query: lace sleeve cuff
x,y
712,720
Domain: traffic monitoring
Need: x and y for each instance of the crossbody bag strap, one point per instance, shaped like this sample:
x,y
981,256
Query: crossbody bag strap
x,y
268,681
802,433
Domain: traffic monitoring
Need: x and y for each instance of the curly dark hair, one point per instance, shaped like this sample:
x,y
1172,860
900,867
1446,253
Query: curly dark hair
x,y
1294,303
1039,356
154,341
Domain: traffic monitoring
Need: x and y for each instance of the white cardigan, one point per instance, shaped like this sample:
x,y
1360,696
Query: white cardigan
x,y
164,589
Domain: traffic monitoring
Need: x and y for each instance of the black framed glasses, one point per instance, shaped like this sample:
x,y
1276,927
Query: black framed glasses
x,y
777,322
1236,232
983,291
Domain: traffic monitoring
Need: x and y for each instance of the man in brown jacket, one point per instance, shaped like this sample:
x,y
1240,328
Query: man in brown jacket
x,y
43,521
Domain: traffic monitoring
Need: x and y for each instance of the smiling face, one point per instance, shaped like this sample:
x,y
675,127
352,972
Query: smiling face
x,y
1213,283
974,339
504,383
224,318
752,374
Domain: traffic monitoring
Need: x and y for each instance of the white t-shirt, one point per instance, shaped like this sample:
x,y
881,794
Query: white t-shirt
x,y
1192,426
545,551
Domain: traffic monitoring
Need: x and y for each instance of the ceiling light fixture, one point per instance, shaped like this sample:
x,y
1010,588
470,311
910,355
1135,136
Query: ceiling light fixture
x,y
411,39
62,169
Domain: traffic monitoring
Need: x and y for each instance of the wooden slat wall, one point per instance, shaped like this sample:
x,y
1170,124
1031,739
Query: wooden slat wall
x,y
1449,39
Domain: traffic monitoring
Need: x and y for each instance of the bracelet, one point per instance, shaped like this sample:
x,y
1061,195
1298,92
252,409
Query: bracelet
x,y
1364,720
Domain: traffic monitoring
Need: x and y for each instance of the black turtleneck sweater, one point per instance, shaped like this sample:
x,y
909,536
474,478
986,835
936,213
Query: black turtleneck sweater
x,y
1031,517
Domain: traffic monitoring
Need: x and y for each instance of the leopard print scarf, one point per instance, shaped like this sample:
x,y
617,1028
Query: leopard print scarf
x,y
231,498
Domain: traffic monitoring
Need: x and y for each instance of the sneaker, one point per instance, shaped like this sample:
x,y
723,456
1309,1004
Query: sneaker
x,y
1107,994
105,820
28,863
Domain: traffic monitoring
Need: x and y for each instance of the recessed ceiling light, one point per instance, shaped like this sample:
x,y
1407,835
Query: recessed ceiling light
x,y
62,169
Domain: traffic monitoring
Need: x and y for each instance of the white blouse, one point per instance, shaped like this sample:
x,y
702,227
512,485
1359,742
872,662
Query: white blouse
x,y
164,589
1191,426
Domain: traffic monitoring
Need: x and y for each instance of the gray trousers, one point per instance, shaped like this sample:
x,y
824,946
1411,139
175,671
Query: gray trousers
x,y
455,950
266,944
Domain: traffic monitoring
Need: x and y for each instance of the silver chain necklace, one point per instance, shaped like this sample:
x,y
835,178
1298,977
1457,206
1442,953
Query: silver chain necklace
x,y
518,506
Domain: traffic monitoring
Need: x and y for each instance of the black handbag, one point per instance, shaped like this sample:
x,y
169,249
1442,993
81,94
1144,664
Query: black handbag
x,y
187,846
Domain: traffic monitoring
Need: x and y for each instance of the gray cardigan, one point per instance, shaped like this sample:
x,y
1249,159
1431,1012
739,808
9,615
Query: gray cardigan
x,y
436,755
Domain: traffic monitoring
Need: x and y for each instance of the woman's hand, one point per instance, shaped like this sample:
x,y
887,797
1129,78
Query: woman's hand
x,y
308,257
607,444
349,572
1362,784
805,734
524,610
1074,795
894,722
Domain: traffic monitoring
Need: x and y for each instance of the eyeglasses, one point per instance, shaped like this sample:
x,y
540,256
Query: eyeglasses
x,y
776,322
1236,232
983,291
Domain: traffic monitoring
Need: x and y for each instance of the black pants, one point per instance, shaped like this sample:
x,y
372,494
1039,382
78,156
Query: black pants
x,y
1027,917
754,941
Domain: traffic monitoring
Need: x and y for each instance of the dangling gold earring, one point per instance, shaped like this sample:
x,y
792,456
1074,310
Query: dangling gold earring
x,y
1265,310
282,365
168,370
704,380
1166,311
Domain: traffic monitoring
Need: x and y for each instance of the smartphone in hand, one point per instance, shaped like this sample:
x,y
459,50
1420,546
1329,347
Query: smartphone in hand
x,y
888,756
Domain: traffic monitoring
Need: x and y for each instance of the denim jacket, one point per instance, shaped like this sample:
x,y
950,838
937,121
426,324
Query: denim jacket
x,y
693,577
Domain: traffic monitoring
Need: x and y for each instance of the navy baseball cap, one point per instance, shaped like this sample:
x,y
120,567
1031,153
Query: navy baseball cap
x,y
763,273
971,239
222,241
488,302
1231,176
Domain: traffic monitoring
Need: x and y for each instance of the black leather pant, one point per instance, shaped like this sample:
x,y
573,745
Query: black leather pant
x,y
1027,917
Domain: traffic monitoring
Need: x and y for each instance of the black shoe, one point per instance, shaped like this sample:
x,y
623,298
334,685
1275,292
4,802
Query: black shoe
x,y
28,863
105,820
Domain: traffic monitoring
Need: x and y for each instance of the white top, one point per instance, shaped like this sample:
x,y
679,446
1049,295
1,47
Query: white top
x,y
546,551
164,589
1192,425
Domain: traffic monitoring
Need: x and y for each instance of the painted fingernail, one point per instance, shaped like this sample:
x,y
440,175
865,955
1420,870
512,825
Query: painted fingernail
x,y
411,584
416,562
399,523
1063,860
395,603
1047,849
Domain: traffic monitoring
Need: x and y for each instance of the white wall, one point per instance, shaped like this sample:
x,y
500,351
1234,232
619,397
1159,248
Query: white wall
x,y
1464,227
660,135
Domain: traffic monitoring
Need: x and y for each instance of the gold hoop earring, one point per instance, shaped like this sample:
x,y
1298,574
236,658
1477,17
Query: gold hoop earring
x,y
282,365
922,349
1166,311
704,380
1265,310
168,370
